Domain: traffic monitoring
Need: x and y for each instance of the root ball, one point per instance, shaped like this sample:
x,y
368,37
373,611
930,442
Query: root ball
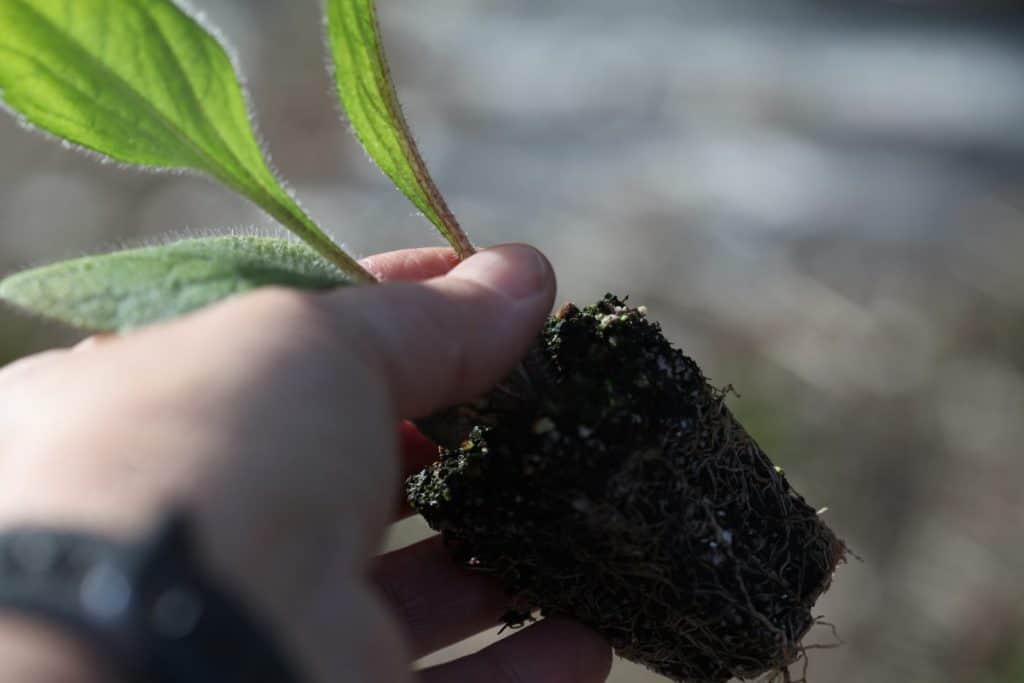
x,y
625,494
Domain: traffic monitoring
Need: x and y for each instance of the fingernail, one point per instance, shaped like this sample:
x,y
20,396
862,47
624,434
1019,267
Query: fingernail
x,y
516,270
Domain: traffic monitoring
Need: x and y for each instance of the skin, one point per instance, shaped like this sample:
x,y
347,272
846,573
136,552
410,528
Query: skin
x,y
278,420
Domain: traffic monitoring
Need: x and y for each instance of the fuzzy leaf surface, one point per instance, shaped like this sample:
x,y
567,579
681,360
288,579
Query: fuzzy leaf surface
x,y
142,82
136,287
368,95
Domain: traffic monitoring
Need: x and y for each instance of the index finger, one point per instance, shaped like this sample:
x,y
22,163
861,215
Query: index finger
x,y
407,265
411,265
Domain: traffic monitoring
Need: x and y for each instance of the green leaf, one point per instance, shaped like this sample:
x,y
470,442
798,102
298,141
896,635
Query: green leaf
x,y
368,96
127,289
142,82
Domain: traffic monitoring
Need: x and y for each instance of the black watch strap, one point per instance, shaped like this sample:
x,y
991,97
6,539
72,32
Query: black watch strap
x,y
147,607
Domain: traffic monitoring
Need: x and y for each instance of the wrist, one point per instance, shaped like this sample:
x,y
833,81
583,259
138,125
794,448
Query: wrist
x,y
144,607
34,652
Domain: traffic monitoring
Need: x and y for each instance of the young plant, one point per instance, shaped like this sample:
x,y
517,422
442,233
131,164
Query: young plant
x,y
605,480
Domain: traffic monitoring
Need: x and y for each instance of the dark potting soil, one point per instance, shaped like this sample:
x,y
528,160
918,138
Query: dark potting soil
x,y
623,493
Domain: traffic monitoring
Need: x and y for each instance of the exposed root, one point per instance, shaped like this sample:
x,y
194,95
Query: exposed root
x,y
627,496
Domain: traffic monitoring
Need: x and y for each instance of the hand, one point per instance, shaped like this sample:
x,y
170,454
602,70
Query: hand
x,y
276,418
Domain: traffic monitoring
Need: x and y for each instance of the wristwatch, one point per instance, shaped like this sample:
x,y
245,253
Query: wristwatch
x,y
147,607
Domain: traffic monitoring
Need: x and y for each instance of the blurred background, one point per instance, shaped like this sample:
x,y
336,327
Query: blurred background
x,y
822,202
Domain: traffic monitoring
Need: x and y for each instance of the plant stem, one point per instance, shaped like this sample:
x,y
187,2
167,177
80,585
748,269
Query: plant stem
x,y
288,213
302,226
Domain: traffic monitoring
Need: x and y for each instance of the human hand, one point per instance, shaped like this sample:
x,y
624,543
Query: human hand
x,y
276,418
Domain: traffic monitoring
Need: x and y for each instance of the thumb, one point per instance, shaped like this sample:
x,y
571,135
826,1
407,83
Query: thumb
x,y
449,339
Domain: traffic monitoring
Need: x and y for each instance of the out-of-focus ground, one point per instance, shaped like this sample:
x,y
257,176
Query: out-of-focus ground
x,y
822,202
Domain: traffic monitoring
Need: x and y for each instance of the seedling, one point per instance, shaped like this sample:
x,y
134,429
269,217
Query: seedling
x,y
605,480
